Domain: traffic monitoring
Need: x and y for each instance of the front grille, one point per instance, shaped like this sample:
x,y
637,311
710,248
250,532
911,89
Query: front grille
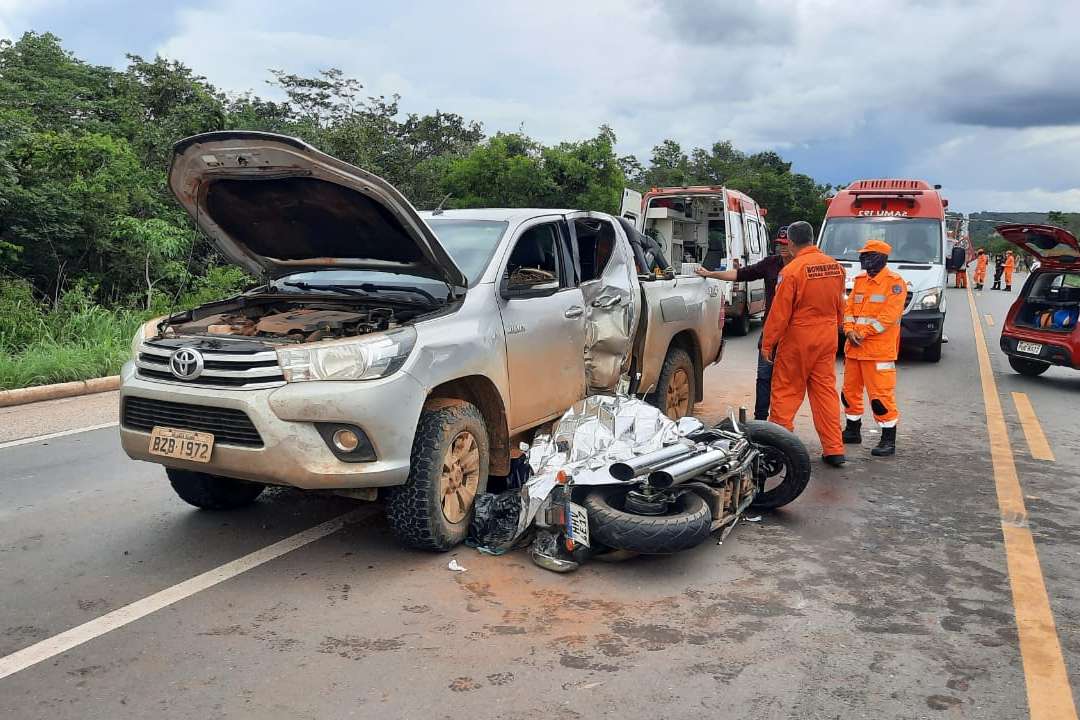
x,y
223,365
229,426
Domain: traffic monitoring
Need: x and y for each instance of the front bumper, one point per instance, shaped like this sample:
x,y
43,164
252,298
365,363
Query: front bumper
x,y
1053,351
920,328
293,451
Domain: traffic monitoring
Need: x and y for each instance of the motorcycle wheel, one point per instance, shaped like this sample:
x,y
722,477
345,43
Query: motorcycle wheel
x,y
785,463
687,525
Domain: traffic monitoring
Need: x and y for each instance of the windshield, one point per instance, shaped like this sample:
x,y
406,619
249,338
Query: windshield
x,y
913,240
471,243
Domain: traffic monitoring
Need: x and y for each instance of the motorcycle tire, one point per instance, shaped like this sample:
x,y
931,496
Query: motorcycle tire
x,y
688,525
783,451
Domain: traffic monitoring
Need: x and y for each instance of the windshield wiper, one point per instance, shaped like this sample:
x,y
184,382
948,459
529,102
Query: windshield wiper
x,y
363,289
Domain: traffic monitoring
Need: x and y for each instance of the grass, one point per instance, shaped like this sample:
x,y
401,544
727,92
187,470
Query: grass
x,y
75,340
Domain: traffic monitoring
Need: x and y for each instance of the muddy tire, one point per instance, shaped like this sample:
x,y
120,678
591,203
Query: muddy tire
x,y
212,492
785,463
1029,368
676,389
449,468
687,526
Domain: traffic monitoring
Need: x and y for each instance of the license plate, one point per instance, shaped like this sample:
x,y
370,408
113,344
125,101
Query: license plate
x,y
1029,347
181,444
578,529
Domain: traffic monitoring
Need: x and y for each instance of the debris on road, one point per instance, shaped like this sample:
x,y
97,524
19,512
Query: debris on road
x,y
455,567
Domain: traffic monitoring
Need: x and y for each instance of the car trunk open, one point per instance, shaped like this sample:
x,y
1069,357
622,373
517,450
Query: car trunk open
x,y
1051,302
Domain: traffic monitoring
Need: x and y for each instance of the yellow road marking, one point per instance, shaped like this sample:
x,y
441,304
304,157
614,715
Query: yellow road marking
x,y
1033,433
989,319
1048,691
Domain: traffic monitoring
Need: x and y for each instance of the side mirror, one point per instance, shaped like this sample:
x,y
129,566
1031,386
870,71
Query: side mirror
x,y
535,290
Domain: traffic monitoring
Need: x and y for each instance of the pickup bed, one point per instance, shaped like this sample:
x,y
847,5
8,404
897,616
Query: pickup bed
x,y
389,348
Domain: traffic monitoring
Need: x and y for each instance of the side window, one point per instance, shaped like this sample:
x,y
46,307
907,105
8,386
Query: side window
x,y
535,259
596,243
752,242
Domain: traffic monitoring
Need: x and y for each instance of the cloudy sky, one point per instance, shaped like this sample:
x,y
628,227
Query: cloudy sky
x,y
977,95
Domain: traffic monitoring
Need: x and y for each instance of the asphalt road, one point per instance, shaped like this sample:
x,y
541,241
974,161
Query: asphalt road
x,y
882,593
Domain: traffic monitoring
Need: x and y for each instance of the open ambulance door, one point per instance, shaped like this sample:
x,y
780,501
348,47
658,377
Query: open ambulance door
x,y
631,208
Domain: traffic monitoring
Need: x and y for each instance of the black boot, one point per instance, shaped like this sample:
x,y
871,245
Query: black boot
x,y
853,432
834,460
887,445
1008,288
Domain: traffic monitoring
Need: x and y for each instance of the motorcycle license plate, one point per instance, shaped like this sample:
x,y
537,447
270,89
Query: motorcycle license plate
x,y
1029,347
181,444
578,527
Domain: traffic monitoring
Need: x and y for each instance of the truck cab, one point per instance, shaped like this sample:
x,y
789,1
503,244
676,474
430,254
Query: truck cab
x,y
910,216
710,226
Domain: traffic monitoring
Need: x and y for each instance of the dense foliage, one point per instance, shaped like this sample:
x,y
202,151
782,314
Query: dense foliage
x,y
86,220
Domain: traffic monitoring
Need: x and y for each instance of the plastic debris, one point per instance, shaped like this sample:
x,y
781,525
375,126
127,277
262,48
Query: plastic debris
x,y
495,521
455,567
756,518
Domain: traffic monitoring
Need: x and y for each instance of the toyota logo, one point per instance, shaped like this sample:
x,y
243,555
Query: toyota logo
x,y
186,364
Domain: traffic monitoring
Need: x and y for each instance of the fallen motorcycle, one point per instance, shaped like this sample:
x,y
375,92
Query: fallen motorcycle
x,y
673,498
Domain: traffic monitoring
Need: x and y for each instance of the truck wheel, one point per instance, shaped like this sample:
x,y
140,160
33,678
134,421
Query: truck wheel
x,y
784,466
449,467
1030,368
688,524
212,492
675,390
739,326
932,353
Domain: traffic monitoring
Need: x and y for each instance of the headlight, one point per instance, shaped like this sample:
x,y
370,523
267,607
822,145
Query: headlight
x,y
366,358
929,300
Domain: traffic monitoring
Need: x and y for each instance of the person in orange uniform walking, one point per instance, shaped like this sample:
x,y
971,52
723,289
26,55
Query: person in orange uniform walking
x,y
872,329
981,261
1010,265
800,339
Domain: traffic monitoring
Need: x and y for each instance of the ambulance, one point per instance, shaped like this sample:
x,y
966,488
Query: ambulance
x,y
910,216
711,226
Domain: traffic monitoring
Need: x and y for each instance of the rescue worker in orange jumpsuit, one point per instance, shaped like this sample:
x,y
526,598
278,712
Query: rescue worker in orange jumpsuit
x,y
800,340
981,260
1010,265
872,329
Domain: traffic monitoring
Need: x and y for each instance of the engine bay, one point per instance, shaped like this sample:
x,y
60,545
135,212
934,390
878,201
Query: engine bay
x,y
291,322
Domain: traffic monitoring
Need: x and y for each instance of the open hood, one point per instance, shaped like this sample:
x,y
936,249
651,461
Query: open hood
x,y
274,205
1053,246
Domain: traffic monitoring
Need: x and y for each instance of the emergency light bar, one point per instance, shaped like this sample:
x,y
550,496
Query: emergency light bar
x,y
908,195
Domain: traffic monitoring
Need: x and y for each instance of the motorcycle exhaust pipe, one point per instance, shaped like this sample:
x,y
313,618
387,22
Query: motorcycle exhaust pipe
x,y
688,469
643,464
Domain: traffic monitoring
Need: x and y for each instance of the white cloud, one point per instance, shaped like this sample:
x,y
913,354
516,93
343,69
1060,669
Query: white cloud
x,y
976,94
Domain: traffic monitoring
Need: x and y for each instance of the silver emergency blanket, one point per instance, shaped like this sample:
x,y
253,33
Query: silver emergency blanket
x,y
593,434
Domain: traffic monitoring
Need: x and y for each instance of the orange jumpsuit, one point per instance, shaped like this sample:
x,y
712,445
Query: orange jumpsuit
x,y
961,277
800,336
980,268
1010,265
873,313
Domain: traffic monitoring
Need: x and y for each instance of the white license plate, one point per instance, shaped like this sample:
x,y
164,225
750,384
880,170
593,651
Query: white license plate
x,y
181,444
579,525
1029,347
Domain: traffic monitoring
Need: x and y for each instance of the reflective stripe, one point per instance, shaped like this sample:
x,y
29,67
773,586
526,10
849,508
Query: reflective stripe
x,y
871,322
853,417
887,423
849,318
877,326
859,298
877,298
886,366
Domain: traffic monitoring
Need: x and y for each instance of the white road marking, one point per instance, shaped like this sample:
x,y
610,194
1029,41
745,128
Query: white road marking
x,y
50,647
50,436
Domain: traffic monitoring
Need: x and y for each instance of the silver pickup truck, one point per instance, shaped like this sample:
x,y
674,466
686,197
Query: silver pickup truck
x,y
389,348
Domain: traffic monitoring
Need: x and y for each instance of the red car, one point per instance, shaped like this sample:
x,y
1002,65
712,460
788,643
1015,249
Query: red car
x,y
1041,327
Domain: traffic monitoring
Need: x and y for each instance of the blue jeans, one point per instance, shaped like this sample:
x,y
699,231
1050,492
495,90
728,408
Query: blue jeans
x,y
763,386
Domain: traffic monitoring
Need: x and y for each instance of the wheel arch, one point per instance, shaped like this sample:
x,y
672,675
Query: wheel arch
x,y
481,392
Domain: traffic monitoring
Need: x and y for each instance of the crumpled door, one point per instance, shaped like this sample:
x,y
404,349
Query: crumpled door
x,y
611,314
